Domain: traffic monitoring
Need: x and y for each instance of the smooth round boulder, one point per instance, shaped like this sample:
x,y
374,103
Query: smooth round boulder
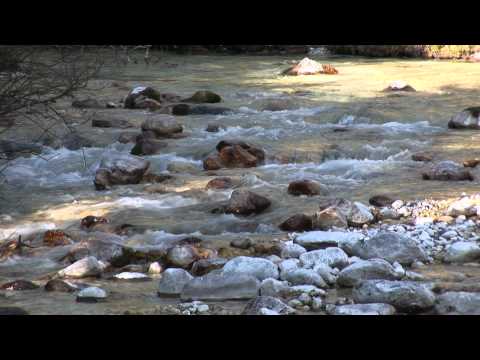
x,y
298,223
244,202
257,267
305,187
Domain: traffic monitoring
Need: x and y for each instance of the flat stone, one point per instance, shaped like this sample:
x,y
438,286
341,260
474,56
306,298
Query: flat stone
x,y
333,257
256,267
364,309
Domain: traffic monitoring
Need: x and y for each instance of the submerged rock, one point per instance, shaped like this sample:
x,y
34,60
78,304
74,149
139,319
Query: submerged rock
x,y
221,287
275,306
89,103
364,309
448,171
220,183
147,146
56,238
467,119
405,296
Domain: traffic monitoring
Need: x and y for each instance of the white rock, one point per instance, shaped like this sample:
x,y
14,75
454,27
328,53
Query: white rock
x,y
292,251
397,204
91,293
85,267
256,267
130,276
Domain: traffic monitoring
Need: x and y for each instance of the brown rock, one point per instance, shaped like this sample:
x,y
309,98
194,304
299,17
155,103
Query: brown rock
x,y
471,163
147,146
329,217
220,183
89,221
56,238
304,187
212,163
422,157
381,200
204,266
298,222
236,156
448,171
244,202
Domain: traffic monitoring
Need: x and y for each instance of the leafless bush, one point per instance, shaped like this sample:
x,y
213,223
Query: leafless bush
x,y
33,78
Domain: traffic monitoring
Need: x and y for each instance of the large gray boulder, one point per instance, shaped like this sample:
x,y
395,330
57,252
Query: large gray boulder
x,y
333,257
173,281
275,288
364,309
304,277
221,287
406,296
458,303
462,252
256,267
374,269
389,246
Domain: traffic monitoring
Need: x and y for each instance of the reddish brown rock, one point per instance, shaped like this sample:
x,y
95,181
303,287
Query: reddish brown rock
x,y
298,222
56,238
304,187
236,156
471,163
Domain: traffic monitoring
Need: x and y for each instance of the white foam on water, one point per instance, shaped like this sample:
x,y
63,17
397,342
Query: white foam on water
x,y
165,202
24,229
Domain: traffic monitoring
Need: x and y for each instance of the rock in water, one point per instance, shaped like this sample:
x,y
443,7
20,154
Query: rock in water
x,y
458,303
85,267
304,67
89,103
204,266
131,276
60,286
399,85
381,200
204,97
121,170
255,306
364,309
375,269
244,202
256,267
305,187
448,171
220,183
462,252
407,296
91,295
389,246
163,126
141,93
298,222
147,146
467,119
173,281
19,285
221,287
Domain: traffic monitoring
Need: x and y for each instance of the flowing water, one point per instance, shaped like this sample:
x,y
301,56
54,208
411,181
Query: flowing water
x,y
342,131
